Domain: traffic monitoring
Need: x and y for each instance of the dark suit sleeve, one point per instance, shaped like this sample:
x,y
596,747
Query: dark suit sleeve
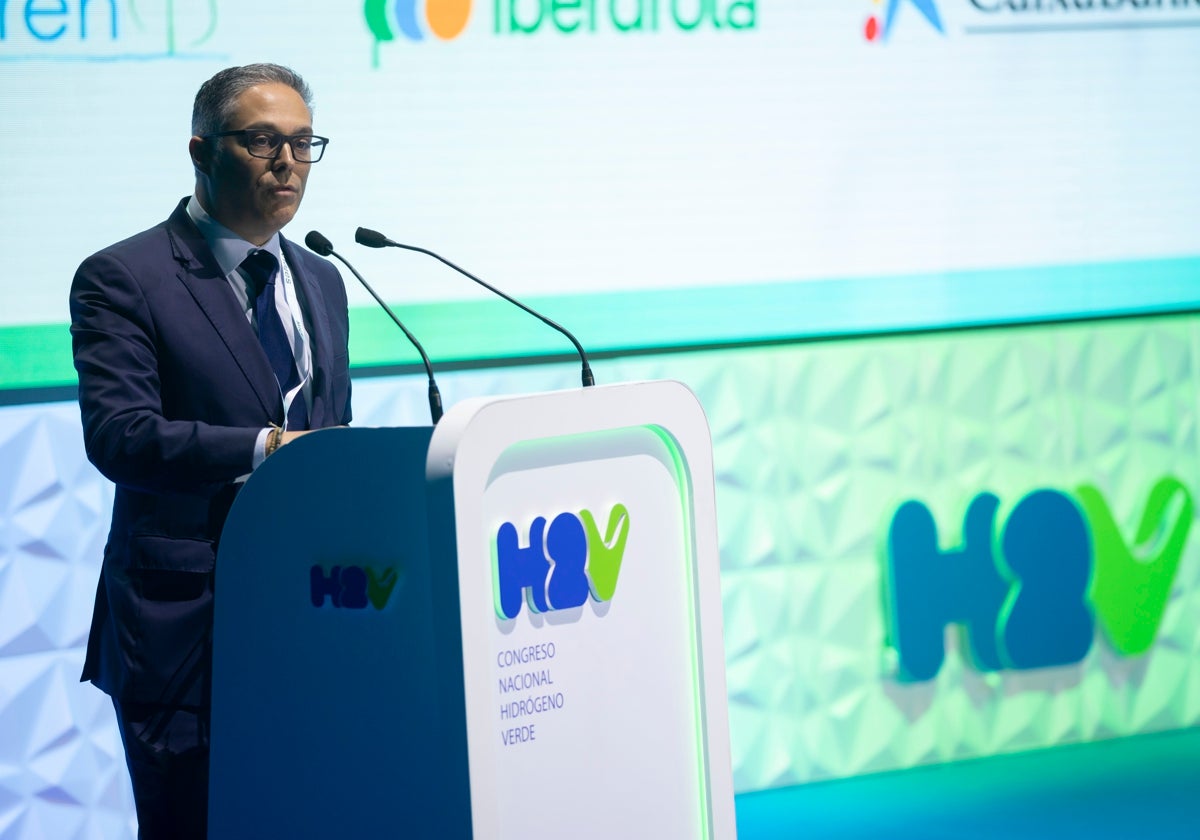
x,y
119,341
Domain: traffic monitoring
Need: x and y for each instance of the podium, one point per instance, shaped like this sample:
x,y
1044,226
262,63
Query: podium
x,y
506,626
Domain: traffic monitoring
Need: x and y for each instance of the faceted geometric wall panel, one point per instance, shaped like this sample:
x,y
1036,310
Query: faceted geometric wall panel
x,y
818,445
62,771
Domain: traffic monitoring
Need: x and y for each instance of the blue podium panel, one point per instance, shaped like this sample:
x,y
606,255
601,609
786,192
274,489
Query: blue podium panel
x,y
326,712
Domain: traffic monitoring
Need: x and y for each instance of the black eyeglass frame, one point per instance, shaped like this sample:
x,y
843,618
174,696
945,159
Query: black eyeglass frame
x,y
316,142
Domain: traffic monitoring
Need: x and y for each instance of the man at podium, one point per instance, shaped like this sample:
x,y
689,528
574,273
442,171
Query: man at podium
x,y
202,345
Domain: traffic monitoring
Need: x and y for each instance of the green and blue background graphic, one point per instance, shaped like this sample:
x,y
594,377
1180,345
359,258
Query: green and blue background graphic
x,y
1030,598
955,268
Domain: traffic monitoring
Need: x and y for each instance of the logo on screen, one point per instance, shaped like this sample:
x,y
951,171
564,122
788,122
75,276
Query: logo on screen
x,y
879,25
558,565
416,19
76,30
351,587
1029,595
1018,18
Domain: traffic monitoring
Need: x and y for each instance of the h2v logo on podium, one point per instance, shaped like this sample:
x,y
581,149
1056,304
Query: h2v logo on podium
x,y
558,565
351,587
1029,596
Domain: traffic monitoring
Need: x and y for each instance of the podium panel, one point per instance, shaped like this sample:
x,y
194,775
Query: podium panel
x,y
325,719
584,528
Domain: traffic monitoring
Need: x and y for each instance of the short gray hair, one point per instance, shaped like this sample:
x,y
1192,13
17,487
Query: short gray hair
x,y
216,98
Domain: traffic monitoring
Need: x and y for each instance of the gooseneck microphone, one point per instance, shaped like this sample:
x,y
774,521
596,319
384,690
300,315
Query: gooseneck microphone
x,y
322,246
375,239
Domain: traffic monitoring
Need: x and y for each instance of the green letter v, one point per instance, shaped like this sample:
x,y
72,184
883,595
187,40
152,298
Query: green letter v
x,y
604,555
379,587
1130,592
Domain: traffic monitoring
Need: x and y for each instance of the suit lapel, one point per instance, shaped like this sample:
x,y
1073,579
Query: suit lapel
x,y
318,332
199,273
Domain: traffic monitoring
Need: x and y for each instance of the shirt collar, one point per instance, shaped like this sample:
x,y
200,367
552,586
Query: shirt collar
x,y
228,248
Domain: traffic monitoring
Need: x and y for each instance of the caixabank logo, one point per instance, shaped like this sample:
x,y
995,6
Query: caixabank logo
x,y
414,21
879,24
1029,595
1018,17
136,30
559,565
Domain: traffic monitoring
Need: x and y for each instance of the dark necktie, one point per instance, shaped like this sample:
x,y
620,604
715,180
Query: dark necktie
x,y
261,269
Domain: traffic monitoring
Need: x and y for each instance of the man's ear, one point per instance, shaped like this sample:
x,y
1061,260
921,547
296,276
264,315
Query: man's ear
x,y
201,154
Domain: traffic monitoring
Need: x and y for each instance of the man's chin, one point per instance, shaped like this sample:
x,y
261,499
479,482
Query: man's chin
x,y
282,215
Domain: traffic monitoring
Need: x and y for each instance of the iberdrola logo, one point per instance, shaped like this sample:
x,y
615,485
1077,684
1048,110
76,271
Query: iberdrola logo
x,y
415,19
878,29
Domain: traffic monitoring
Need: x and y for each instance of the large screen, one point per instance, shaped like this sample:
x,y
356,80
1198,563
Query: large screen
x,y
655,172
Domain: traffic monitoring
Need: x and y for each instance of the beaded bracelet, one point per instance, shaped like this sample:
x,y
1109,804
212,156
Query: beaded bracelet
x,y
274,438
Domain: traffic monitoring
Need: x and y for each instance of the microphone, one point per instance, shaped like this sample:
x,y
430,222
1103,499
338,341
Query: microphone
x,y
375,239
322,246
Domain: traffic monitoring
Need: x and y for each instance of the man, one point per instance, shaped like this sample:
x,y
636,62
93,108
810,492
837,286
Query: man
x,y
202,345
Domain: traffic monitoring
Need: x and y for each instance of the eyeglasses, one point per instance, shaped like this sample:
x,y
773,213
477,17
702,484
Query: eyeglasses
x,y
306,148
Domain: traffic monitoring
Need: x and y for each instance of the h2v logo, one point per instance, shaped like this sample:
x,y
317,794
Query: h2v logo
x,y
560,564
1030,597
351,587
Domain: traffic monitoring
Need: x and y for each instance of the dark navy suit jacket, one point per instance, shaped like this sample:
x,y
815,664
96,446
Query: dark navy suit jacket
x,y
174,389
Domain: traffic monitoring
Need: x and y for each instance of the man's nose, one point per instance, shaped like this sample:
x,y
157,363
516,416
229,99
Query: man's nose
x,y
284,159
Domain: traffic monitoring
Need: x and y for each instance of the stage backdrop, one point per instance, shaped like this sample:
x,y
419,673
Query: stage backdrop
x,y
733,179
